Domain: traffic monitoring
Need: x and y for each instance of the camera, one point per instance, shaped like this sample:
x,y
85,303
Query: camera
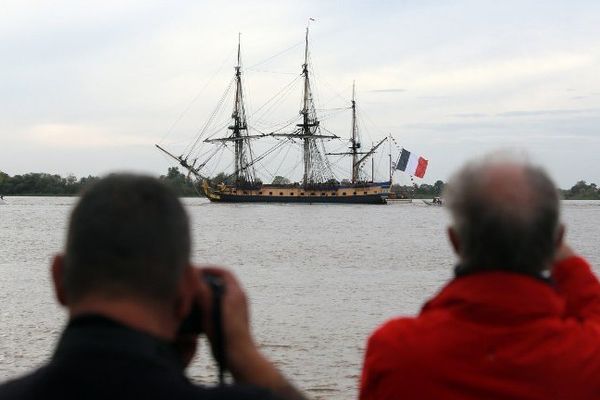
x,y
192,324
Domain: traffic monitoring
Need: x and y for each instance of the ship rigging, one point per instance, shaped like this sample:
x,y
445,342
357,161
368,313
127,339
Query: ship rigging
x,y
318,182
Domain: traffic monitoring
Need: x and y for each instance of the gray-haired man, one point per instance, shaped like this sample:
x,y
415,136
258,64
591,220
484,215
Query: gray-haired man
x,y
521,318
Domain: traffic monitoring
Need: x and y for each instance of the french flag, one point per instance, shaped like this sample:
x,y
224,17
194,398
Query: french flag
x,y
412,164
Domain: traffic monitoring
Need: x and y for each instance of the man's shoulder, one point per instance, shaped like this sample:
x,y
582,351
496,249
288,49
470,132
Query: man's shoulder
x,y
42,384
395,327
394,335
408,335
233,392
22,387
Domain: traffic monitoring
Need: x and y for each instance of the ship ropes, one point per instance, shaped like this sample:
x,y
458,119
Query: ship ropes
x,y
242,156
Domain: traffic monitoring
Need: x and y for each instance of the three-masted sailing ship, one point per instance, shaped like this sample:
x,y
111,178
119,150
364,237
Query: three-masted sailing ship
x,y
318,184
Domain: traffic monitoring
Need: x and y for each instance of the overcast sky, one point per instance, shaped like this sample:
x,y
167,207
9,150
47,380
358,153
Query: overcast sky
x,y
88,87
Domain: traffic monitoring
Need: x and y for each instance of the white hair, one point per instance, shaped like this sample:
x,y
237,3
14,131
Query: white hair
x,y
505,211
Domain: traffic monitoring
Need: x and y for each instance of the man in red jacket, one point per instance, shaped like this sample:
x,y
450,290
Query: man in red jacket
x,y
521,318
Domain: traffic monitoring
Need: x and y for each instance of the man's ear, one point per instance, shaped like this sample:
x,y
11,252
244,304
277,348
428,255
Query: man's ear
x,y
57,271
187,289
453,236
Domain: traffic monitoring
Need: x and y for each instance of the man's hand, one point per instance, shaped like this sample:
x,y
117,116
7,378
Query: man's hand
x,y
243,358
235,317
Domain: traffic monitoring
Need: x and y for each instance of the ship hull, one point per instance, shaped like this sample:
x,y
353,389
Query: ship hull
x,y
365,194
359,199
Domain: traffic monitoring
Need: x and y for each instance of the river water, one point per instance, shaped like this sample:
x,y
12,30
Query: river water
x,y
320,278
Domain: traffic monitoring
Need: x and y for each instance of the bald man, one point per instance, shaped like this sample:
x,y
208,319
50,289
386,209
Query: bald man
x,y
520,319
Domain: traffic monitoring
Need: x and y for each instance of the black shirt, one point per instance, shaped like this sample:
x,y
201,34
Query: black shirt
x,y
97,358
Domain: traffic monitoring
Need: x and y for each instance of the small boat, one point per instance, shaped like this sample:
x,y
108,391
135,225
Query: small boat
x,y
436,201
2,202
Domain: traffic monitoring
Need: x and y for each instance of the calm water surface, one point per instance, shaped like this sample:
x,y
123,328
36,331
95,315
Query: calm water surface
x,y
320,277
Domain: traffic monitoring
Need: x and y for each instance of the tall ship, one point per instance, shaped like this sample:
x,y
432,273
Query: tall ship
x,y
318,184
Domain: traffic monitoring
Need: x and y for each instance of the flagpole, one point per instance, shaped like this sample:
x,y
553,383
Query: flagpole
x,y
390,155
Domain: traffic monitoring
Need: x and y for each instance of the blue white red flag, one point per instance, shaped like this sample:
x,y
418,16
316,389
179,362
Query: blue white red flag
x,y
412,164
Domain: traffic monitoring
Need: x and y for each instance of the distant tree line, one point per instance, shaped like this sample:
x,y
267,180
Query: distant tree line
x,y
42,184
423,191
181,184
581,191
39,183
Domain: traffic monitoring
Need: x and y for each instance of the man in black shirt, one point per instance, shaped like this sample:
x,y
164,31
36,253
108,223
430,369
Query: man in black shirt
x,y
128,285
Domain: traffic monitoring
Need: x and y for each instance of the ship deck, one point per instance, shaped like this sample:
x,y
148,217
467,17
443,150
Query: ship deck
x,y
364,194
354,199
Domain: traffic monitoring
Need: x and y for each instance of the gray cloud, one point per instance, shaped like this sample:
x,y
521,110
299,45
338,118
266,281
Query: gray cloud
x,y
533,113
470,115
433,97
387,90
114,76
555,112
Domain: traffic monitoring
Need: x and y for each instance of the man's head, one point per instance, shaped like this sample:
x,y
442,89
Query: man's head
x,y
505,215
128,239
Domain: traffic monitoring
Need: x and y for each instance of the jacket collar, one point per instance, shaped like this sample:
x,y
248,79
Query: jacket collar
x,y
498,297
96,334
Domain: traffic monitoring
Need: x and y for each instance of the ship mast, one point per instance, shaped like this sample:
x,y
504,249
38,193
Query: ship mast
x,y
354,143
239,125
372,167
390,156
242,152
307,122
316,168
